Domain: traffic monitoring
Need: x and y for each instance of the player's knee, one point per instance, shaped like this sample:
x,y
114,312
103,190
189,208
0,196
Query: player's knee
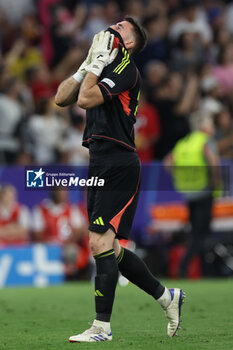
x,y
99,242
96,243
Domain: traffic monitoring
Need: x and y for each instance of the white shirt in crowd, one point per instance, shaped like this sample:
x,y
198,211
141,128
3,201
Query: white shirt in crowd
x,y
10,116
47,135
200,26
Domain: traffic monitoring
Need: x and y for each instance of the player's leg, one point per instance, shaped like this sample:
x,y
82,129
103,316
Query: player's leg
x,y
106,278
106,273
136,271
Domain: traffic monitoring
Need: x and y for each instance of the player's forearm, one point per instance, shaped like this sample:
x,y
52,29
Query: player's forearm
x,y
90,94
67,92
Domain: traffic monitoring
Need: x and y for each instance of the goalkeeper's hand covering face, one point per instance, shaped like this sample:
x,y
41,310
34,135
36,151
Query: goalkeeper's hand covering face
x,y
102,52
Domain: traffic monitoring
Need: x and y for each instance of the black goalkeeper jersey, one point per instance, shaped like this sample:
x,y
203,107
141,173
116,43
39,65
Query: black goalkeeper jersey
x,y
113,121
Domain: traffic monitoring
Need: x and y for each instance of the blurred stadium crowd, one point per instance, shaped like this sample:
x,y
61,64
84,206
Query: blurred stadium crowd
x,y
186,66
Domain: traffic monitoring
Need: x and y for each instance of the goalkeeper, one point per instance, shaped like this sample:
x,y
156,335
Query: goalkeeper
x,y
107,85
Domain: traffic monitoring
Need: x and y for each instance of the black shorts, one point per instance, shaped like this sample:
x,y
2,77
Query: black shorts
x,y
114,204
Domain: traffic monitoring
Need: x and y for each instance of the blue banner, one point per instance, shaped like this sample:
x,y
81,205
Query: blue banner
x,y
36,265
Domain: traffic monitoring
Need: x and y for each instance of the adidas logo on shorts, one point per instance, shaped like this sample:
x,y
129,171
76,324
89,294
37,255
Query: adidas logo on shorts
x,y
99,221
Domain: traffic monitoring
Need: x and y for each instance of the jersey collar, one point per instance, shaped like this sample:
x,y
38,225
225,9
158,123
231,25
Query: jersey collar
x,y
118,39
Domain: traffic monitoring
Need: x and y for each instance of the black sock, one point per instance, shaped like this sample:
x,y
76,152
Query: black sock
x,y
105,284
136,271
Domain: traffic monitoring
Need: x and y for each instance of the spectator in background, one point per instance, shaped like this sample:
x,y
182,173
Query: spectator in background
x,y
192,18
46,132
228,14
135,8
224,133
147,129
42,83
195,160
214,14
159,7
22,57
11,118
222,38
73,151
14,218
5,76
112,12
61,32
158,46
174,98
17,10
211,94
97,21
55,220
188,53
45,11
5,31
156,73
223,72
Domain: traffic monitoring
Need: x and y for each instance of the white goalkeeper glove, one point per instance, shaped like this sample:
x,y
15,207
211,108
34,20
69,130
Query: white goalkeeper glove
x,y
81,72
101,53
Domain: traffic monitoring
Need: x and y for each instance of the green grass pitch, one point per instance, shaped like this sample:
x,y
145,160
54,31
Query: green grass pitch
x,y
42,319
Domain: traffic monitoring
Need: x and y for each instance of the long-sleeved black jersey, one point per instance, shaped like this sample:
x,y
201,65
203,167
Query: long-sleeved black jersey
x,y
120,85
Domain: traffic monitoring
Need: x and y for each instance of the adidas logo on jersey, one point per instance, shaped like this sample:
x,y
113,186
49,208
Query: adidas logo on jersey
x,y
99,221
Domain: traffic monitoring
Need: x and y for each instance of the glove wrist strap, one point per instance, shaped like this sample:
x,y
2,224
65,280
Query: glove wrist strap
x,y
78,77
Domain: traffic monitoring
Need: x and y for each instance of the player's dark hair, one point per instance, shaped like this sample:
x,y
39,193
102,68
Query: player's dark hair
x,y
140,35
